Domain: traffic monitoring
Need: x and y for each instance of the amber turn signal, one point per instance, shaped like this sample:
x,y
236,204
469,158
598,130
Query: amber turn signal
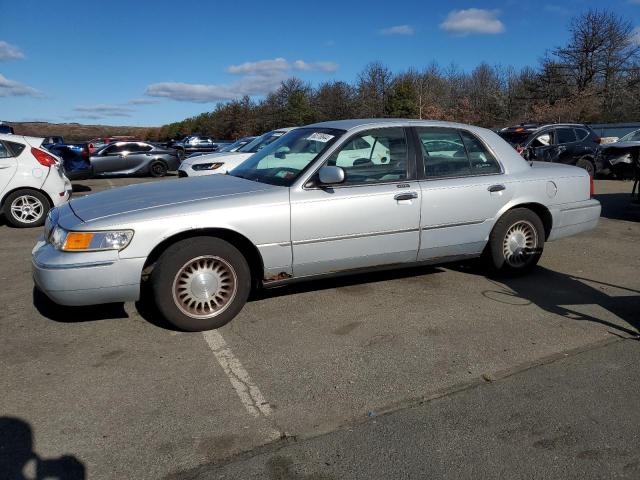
x,y
78,241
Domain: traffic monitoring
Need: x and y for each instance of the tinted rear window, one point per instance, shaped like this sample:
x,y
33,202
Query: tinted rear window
x,y
565,135
15,148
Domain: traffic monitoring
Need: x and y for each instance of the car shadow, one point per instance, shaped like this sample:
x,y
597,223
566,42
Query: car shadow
x,y
346,280
80,188
17,455
148,311
618,206
563,295
59,313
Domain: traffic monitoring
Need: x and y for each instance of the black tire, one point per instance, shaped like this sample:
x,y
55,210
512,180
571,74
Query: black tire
x,y
588,165
158,168
36,201
184,259
523,259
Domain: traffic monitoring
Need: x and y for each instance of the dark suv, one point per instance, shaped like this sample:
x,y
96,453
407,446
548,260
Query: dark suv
x,y
568,143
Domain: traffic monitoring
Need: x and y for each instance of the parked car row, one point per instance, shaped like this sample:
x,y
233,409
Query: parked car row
x,y
575,144
222,162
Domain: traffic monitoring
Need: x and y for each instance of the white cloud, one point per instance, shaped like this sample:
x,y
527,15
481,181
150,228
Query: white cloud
x,y
11,88
260,67
472,21
103,110
142,101
256,78
10,52
319,66
398,30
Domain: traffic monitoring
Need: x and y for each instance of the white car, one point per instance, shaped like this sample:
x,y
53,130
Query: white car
x,y
32,181
223,162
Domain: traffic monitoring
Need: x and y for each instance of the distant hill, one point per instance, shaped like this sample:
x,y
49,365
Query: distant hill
x,y
76,132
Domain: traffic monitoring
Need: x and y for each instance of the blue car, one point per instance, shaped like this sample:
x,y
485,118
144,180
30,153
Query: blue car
x,y
75,157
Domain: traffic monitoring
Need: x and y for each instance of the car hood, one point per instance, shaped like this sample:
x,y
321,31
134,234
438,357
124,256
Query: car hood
x,y
153,195
629,144
223,157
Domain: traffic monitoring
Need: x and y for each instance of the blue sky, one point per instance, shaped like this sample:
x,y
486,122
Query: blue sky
x,y
150,63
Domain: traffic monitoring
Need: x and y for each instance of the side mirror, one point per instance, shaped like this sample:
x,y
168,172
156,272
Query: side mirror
x,y
329,175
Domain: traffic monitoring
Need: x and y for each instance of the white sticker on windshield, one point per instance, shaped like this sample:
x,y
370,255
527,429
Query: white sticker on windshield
x,y
277,134
320,137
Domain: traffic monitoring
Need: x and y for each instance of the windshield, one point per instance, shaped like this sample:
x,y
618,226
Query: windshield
x,y
232,147
631,137
285,159
261,142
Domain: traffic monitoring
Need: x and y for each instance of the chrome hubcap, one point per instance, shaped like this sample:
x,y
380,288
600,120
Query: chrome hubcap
x,y
27,209
519,243
204,287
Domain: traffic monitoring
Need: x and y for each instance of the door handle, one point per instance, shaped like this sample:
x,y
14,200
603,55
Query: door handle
x,y
405,196
496,188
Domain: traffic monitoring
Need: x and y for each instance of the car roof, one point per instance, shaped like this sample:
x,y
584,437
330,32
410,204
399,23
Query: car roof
x,y
13,138
385,122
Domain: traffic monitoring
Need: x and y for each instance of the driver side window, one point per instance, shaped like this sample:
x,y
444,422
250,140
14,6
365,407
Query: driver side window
x,y
543,140
374,156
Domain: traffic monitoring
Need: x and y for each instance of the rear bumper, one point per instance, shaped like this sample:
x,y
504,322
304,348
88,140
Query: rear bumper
x,y
79,174
574,218
78,279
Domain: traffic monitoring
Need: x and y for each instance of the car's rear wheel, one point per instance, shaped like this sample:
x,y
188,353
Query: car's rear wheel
x,y
201,283
588,165
158,169
26,208
516,242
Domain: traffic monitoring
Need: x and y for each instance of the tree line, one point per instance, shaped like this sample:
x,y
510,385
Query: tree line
x,y
595,77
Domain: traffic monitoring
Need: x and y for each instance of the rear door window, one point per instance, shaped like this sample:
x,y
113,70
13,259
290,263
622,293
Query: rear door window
x,y
15,149
4,152
444,153
581,133
481,159
565,135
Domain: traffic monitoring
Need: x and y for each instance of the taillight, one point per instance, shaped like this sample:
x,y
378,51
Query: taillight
x,y
592,187
598,140
43,158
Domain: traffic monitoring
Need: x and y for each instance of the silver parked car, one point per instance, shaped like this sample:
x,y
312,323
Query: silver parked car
x,y
134,158
325,199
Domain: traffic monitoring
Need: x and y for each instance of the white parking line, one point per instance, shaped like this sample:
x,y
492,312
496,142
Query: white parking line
x,y
249,393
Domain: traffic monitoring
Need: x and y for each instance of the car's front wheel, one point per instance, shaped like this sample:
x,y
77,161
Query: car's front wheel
x,y
201,283
516,242
26,208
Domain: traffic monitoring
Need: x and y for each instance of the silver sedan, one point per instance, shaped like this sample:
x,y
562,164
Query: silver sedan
x,y
326,199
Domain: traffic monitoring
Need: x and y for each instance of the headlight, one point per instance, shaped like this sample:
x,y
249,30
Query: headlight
x,y
90,241
207,166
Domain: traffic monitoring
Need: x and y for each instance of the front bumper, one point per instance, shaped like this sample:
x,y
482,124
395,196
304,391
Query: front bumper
x,y
87,278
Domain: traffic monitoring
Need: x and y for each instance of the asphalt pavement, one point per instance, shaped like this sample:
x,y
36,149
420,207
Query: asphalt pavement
x,y
113,392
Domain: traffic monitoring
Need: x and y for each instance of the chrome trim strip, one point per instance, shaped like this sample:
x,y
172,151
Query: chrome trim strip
x,y
449,225
581,207
355,235
72,265
277,244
